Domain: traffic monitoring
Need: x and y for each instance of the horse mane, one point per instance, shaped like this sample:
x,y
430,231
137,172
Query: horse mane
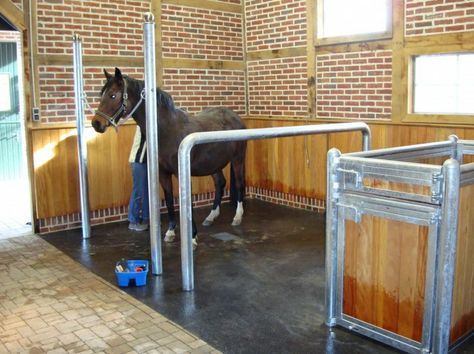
x,y
163,98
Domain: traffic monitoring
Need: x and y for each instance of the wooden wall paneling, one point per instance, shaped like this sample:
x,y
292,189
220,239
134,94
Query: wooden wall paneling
x,y
399,62
462,317
110,179
56,172
380,288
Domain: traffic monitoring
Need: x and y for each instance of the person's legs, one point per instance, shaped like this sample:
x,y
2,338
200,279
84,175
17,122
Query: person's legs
x,y
145,211
135,198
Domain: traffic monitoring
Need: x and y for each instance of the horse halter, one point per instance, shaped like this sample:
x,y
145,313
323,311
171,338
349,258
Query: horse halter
x,y
123,109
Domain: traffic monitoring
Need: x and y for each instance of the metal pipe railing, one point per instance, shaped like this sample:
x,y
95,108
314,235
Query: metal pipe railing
x,y
184,169
152,142
81,140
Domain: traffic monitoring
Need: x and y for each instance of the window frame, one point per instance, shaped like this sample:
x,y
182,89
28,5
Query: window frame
x,y
350,38
430,118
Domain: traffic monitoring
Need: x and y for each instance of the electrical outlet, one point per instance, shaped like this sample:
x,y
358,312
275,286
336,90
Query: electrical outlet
x,y
36,114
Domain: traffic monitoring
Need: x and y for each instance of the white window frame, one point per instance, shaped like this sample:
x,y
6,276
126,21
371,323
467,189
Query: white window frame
x,y
455,82
319,40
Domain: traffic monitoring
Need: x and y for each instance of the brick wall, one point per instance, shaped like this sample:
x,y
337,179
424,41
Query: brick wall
x,y
354,85
57,90
201,34
195,89
108,27
277,87
438,16
275,24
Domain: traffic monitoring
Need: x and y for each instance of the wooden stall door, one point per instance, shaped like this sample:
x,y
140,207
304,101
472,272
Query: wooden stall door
x,y
462,317
384,274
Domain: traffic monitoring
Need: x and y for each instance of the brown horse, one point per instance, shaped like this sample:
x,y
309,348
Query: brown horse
x,y
122,97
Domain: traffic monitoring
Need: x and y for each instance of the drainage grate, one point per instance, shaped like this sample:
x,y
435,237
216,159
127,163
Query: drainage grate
x,y
225,236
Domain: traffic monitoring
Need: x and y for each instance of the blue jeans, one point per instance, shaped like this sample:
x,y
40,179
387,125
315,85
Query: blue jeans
x,y
138,210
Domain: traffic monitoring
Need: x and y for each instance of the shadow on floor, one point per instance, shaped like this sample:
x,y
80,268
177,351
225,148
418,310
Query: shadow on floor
x,y
259,287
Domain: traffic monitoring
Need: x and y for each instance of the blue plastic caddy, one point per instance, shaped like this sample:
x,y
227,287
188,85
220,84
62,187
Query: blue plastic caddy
x,y
123,278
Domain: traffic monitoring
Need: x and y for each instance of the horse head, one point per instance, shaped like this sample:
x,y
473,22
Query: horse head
x,y
113,102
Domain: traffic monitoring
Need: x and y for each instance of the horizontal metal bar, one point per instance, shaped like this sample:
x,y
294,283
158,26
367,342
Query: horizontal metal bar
x,y
392,339
467,174
405,211
278,132
390,153
351,160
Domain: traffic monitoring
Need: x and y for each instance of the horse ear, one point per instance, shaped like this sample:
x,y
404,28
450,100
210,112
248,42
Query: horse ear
x,y
107,75
118,74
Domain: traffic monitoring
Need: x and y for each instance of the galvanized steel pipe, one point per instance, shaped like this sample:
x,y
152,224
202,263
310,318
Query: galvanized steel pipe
x,y
184,168
81,140
447,256
152,142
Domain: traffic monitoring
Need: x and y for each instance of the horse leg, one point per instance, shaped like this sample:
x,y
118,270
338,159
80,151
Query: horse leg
x,y
195,239
239,180
219,184
167,185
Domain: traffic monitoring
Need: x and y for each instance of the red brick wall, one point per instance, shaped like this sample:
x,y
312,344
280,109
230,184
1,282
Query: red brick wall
x,y
438,16
200,34
108,27
277,87
275,24
195,89
354,85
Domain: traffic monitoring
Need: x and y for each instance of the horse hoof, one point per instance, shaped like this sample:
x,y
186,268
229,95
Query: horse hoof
x,y
195,244
207,222
236,222
170,236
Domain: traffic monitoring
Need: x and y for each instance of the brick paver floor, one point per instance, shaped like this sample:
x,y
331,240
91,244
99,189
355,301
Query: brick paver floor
x,y
51,304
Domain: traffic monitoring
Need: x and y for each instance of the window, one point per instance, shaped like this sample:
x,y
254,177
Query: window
x,y
443,84
353,20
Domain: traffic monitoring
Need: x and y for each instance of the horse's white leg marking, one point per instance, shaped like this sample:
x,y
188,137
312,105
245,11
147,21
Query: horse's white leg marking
x,y
170,235
238,214
211,217
195,243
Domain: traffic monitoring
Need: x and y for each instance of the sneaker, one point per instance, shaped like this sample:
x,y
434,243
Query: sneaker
x,y
132,226
141,227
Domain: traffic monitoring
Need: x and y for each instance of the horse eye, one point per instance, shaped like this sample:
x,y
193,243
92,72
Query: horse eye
x,y
112,97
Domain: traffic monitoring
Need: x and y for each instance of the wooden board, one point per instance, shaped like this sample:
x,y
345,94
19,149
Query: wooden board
x,y
384,274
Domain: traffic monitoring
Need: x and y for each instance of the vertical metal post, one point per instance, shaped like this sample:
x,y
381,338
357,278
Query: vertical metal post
x,y
446,256
81,140
186,213
331,236
152,142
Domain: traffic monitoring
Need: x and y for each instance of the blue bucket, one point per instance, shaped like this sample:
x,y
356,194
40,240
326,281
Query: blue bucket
x,y
123,278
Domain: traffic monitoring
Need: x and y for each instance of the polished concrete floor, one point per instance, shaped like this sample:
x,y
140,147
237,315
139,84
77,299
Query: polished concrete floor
x,y
259,287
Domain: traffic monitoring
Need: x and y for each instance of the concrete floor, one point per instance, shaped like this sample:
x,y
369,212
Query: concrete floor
x,y
259,287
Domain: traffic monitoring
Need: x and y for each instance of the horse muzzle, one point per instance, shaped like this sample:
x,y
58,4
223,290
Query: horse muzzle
x,y
98,124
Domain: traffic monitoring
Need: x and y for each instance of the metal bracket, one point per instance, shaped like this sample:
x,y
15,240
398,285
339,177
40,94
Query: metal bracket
x,y
437,188
357,214
357,179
